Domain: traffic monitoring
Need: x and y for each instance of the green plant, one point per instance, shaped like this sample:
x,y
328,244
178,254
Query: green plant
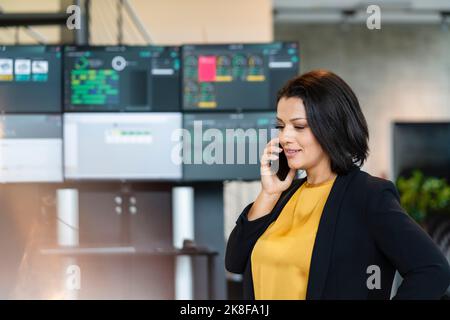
x,y
420,195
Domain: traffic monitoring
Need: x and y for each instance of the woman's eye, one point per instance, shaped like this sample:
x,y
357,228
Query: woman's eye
x,y
296,127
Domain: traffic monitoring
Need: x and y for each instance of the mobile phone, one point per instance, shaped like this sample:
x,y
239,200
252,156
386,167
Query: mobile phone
x,y
281,165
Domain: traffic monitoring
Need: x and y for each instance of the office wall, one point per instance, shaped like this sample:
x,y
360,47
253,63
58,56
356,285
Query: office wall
x,y
50,33
168,21
193,21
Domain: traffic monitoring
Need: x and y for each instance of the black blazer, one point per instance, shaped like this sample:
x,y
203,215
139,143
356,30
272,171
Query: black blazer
x,y
362,224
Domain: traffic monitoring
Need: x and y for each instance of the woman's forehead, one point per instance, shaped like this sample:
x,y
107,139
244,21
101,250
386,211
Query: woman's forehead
x,y
290,108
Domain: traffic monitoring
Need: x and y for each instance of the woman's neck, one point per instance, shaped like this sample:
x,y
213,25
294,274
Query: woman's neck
x,y
320,173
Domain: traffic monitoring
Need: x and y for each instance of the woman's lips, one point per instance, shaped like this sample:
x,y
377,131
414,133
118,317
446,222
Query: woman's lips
x,y
290,153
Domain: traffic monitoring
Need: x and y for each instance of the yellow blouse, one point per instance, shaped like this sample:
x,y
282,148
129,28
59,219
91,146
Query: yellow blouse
x,y
282,255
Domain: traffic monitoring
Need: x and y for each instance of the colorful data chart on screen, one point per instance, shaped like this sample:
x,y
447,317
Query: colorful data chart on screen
x,y
239,76
94,86
121,78
30,79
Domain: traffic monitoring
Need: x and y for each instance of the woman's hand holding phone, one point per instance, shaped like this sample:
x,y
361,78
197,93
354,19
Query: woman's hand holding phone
x,y
272,185
273,163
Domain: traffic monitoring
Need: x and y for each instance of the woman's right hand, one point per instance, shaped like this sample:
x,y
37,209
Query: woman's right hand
x,y
271,184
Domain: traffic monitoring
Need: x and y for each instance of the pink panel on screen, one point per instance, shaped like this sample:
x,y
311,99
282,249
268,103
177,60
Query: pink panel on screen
x,y
206,68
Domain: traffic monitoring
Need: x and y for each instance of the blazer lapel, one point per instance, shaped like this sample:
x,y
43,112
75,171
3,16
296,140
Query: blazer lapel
x,y
323,246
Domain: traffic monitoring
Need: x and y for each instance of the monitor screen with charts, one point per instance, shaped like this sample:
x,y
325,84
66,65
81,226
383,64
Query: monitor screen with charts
x,y
236,76
121,78
225,146
130,146
30,79
31,148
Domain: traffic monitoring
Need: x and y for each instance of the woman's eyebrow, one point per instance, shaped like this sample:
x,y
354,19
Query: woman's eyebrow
x,y
293,119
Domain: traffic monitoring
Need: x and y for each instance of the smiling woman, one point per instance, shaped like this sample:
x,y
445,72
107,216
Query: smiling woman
x,y
320,114
322,236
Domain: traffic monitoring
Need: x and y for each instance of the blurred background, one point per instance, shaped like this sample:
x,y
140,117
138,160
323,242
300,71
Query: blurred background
x,y
91,205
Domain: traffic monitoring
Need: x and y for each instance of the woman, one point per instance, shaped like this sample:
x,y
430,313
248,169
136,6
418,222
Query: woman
x,y
339,233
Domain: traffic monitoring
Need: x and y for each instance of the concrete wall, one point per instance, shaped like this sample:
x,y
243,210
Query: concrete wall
x,y
398,73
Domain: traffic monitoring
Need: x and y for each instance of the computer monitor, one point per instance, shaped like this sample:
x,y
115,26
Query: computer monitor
x,y
120,146
30,79
225,146
421,145
121,78
31,148
236,76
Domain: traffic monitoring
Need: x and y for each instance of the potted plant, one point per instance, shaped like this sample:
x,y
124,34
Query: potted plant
x,y
424,197
427,200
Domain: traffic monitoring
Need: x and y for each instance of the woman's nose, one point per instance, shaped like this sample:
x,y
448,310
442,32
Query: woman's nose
x,y
285,137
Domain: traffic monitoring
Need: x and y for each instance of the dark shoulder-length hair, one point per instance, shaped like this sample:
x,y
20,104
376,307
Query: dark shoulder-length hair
x,y
334,116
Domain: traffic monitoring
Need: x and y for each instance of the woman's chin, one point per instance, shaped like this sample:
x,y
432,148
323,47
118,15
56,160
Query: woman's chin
x,y
293,164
